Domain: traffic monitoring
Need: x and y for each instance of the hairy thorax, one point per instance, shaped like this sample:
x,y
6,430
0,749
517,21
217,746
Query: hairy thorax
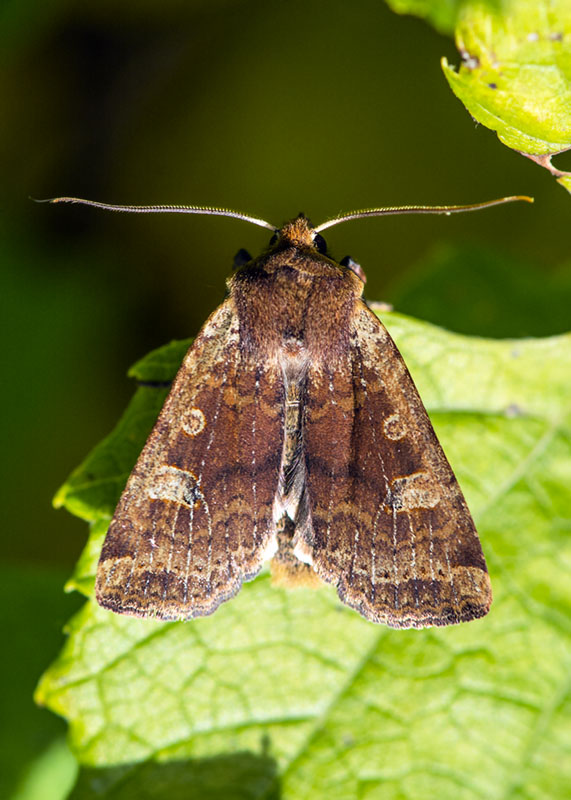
x,y
294,308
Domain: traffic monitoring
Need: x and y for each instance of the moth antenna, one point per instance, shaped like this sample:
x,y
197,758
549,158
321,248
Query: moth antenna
x,y
168,209
382,212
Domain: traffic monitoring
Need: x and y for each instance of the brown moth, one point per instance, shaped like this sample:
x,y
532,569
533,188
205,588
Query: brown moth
x,y
294,432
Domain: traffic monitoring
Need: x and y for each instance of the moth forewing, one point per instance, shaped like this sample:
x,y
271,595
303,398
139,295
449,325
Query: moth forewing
x,y
195,519
391,528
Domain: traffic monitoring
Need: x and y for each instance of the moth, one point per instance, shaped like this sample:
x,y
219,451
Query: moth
x,y
294,432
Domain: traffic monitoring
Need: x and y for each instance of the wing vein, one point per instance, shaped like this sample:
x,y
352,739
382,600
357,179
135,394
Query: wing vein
x,y
332,473
254,487
413,559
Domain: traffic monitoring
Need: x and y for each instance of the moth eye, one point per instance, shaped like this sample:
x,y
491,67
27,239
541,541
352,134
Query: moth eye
x,y
242,257
319,243
354,267
274,239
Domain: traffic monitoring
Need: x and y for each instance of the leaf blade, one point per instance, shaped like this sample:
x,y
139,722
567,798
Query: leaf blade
x,y
514,76
343,705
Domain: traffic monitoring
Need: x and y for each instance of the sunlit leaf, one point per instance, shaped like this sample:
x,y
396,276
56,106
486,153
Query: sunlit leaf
x,y
442,14
515,74
288,693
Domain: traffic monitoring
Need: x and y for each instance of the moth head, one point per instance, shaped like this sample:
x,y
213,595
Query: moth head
x,y
299,232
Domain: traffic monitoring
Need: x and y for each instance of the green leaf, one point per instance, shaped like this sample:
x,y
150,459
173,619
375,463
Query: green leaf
x,y
290,694
442,14
50,776
93,489
32,612
564,178
469,288
231,777
515,74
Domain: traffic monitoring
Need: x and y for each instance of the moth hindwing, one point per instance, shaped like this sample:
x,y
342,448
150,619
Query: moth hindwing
x,y
293,430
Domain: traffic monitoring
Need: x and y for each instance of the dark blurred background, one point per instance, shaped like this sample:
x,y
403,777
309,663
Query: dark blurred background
x,y
270,108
